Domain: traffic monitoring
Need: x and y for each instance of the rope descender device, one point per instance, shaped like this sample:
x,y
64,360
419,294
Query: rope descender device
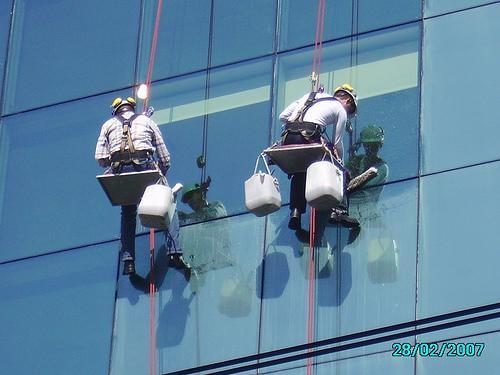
x,y
314,81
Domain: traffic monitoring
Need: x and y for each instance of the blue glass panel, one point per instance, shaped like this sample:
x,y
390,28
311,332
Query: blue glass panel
x,y
379,274
377,14
384,70
486,363
375,364
288,371
242,29
453,45
298,21
286,285
378,364
363,280
238,128
370,282
179,112
435,7
461,332
5,14
57,312
459,227
183,34
387,78
49,197
218,305
56,54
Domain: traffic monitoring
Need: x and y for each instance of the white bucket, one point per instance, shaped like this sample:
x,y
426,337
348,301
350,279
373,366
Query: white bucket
x,y
324,185
157,207
262,195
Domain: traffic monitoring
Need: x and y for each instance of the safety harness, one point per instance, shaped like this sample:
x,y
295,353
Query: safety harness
x,y
296,124
128,155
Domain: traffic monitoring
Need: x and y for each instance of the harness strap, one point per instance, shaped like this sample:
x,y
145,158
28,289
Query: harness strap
x,y
126,137
126,140
311,100
299,116
127,156
297,127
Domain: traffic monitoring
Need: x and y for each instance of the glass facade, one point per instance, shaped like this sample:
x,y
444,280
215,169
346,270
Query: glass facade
x,y
421,269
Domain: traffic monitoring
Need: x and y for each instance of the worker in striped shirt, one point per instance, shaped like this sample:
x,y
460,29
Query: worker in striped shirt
x,y
127,143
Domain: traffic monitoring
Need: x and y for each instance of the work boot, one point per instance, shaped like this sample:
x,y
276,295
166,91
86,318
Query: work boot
x,y
342,218
294,222
128,267
177,261
353,234
303,235
187,273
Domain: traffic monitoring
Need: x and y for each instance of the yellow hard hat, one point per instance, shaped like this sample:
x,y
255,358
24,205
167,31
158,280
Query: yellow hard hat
x,y
348,89
119,102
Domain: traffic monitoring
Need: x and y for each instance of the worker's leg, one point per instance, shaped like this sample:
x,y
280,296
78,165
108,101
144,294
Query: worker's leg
x,y
297,200
172,236
340,214
297,186
174,248
298,191
128,223
127,238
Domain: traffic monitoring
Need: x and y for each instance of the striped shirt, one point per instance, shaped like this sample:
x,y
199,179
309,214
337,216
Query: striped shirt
x,y
145,136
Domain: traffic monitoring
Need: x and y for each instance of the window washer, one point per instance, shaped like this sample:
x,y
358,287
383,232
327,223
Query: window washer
x,y
372,139
127,143
210,249
305,121
196,197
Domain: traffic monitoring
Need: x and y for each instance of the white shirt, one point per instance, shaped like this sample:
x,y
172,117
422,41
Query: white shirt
x,y
323,113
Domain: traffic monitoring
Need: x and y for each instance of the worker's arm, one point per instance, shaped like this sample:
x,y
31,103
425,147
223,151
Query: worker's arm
x,y
102,148
161,149
104,162
382,175
339,134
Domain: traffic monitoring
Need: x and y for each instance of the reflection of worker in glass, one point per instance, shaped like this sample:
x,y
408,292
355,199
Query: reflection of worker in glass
x,y
372,139
195,196
305,122
208,244
382,250
127,143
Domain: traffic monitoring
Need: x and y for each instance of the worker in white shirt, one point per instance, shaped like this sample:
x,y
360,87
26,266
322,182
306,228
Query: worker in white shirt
x,y
305,121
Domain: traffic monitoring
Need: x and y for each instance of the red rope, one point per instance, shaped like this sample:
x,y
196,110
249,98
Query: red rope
x,y
152,53
318,39
318,46
152,292
312,279
152,287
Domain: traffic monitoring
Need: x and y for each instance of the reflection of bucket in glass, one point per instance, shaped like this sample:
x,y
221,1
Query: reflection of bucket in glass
x,y
277,275
323,260
235,298
383,262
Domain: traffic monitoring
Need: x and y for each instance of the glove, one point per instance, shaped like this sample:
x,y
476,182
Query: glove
x,y
164,169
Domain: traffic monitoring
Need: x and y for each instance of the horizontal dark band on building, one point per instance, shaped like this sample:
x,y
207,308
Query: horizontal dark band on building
x,y
354,336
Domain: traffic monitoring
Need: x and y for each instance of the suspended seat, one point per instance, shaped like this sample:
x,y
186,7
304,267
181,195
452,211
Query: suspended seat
x,y
127,188
295,158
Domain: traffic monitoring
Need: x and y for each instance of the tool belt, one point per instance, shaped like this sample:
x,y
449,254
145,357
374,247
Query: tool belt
x,y
127,157
306,129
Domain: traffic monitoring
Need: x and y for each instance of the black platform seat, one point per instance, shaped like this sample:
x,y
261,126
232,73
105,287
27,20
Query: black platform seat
x,y
296,158
127,188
